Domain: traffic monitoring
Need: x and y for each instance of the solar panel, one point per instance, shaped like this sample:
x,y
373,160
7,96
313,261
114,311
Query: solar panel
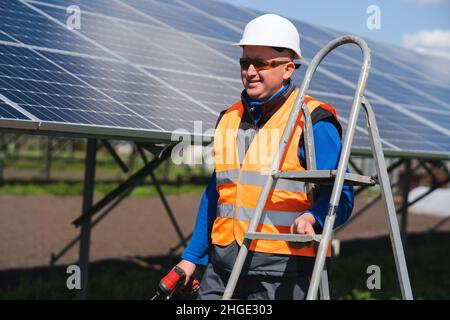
x,y
142,69
21,24
8,112
222,10
182,19
12,118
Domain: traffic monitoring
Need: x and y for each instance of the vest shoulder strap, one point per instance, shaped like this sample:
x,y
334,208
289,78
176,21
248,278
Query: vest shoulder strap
x,y
236,105
320,110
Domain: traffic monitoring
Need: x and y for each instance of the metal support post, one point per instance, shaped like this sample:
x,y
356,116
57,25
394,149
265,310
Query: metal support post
x,y
405,192
85,233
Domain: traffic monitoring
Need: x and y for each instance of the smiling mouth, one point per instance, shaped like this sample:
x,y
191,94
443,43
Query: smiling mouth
x,y
253,83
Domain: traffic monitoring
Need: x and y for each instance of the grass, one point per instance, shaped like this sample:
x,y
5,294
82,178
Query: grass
x,y
109,280
71,168
75,164
427,264
101,189
428,267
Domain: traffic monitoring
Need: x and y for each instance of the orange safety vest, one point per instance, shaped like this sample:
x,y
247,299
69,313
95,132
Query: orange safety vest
x,y
239,185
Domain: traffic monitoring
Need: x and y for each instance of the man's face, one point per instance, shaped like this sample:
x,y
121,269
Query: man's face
x,y
263,84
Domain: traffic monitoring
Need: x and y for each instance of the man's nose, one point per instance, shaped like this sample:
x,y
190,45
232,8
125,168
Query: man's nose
x,y
251,71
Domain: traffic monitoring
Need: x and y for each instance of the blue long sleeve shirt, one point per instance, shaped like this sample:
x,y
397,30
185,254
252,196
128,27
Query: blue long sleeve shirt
x,y
327,146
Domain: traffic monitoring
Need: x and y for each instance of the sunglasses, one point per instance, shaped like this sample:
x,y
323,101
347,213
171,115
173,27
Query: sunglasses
x,y
260,64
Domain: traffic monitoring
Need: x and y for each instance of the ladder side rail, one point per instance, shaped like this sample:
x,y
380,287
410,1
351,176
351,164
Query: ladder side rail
x,y
310,155
343,160
390,211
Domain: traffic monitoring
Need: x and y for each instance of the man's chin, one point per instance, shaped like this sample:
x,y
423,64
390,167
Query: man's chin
x,y
254,94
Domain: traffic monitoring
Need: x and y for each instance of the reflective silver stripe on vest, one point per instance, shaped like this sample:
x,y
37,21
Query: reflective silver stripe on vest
x,y
244,138
274,218
227,176
225,210
258,179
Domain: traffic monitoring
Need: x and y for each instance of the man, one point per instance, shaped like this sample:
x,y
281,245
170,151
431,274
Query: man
x,y
273,269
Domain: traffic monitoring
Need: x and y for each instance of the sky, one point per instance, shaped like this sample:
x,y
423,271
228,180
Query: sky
x,y
422,25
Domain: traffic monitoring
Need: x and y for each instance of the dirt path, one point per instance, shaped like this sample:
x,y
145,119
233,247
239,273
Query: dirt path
x,y
34,227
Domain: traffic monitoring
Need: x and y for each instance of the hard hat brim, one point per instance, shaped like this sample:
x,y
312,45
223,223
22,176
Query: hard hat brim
x,y
241,44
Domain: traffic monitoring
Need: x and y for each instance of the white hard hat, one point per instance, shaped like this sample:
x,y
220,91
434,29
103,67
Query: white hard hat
x,y
273,31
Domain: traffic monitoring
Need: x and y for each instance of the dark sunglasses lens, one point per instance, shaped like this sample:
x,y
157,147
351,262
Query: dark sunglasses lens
x,y
245,63
259,64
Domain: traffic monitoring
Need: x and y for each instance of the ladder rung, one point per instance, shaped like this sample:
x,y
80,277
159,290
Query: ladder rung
x,y
325,177
283,236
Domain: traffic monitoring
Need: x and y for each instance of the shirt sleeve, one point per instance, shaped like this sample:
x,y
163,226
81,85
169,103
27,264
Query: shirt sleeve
x,y
198,247
328,147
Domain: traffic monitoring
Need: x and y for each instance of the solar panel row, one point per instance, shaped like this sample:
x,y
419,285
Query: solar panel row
x,y
141,69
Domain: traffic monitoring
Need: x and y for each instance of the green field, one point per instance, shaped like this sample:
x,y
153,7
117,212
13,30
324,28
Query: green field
x,y
100,189
27,176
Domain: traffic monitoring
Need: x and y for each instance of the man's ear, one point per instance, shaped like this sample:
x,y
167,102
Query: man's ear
x,y
289,69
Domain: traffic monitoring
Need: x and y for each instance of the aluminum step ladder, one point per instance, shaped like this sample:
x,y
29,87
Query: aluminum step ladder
x,y
337,178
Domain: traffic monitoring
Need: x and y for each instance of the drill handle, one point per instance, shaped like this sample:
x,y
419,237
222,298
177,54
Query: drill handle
x,y
171,281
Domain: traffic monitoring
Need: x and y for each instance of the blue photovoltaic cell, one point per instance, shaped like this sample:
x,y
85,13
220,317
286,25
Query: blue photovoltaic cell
x,y
438,91
51,94
407,135
4,37
105,7
209,91
8,112
124,41
383,86
325,83
385,65
310,49
428,68
305,29
30,27
132,90
224,48
185,53
149,45
222,10
183,20
433,113
393,128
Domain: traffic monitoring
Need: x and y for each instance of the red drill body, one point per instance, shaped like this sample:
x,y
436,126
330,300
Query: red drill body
x,y
172,282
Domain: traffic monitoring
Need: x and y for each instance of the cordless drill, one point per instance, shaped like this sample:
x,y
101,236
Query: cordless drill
x,y
173,282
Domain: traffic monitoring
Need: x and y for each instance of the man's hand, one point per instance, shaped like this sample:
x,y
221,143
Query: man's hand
x,y
304,224
188,268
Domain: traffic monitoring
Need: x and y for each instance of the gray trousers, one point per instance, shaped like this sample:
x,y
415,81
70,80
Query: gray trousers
x,y
252,287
